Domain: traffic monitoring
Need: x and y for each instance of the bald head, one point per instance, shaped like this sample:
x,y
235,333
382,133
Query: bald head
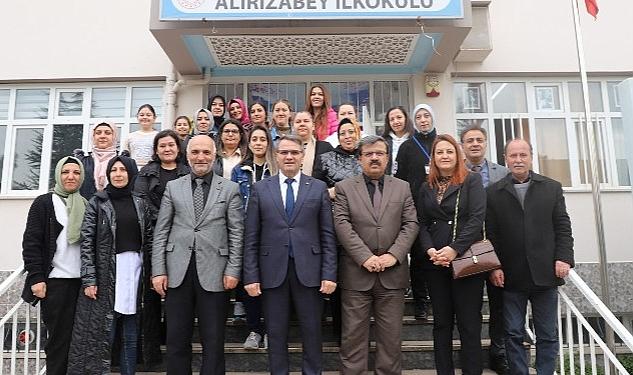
x,y
201,154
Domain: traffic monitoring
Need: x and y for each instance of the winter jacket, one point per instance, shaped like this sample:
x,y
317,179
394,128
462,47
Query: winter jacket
x,y
148,184
90,349
337,165
244,175
412,160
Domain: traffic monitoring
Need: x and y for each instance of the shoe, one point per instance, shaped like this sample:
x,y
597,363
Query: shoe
x,y
265,342
238,310
252,341
499,365
419,311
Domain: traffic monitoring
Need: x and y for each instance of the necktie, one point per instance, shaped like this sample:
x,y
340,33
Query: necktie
x,y
476,168
198,198
290,205
290,197
377,196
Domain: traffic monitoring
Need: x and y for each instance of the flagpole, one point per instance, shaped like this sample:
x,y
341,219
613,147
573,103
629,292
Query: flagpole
x,y
595,178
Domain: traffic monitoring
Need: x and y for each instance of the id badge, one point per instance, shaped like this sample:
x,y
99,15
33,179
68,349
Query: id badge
x,y
427,169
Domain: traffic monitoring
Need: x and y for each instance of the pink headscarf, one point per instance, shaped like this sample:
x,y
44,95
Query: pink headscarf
x,y
102,156
245,120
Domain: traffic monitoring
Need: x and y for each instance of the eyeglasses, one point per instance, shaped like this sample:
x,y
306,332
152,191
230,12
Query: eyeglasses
x,y
369,154
230,131
289,152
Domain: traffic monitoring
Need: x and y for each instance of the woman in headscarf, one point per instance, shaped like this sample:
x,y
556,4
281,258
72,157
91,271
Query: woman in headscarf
x,y
238,111
95,162
116,235
217,106
50,250
202,121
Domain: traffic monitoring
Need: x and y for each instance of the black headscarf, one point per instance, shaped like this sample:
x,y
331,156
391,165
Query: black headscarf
x,y
217,120
132,171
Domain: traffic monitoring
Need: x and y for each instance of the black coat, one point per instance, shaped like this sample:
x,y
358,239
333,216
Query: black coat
x,y
436,220
530,240
39,243
336,165
412,160
148,184
90,351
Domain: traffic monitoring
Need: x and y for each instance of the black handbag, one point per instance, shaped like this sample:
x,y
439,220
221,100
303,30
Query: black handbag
x,y
479,258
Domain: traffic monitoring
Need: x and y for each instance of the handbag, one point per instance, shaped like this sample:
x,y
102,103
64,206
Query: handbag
x,y
479,258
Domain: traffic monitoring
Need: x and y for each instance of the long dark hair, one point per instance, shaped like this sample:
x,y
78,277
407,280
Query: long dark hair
x,y
408,124
270,157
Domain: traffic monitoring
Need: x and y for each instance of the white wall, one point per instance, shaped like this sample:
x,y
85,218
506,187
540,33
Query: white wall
x,y
57,40
538,36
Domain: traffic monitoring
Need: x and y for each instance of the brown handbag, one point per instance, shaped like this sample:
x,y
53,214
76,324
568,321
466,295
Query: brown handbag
x,y
479,258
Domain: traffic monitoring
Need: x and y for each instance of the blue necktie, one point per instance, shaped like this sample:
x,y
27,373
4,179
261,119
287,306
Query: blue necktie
x,y
290,198
290,205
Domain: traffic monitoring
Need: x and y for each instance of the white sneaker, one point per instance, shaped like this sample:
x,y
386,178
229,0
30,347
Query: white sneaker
x,y
252,341
265,341
238,310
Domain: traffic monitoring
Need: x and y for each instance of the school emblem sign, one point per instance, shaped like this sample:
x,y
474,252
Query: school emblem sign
x,y
197,10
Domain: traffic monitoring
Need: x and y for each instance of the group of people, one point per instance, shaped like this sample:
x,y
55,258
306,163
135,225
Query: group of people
x,y
285,213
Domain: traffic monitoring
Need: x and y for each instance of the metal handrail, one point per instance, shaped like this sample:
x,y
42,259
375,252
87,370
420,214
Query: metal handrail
x,y
12,279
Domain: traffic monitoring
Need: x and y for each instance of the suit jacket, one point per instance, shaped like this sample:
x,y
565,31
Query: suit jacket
x,y
496,172
217,235
363,234
269,231
436,220
529,240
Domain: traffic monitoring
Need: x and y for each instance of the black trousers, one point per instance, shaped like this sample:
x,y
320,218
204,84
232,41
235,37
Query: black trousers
x,y
182,304
308,304
495,328
461,299
419,259
58,314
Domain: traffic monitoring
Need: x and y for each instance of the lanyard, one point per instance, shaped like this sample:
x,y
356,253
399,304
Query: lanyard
x,y
426,153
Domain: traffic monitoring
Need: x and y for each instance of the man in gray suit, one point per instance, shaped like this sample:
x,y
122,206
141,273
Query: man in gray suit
x,y
474,143
197,257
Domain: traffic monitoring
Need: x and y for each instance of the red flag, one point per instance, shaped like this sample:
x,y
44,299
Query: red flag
x,y
592,7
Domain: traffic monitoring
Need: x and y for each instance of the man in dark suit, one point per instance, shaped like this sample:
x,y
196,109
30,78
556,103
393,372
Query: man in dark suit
x,y
290,255
529,226
197,257
376,223
474,143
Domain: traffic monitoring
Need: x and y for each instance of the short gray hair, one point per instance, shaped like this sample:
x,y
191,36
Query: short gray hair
x,y
370,140
291,138
505,149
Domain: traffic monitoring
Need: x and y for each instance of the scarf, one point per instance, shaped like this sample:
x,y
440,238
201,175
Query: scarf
x,y
430,110
132,171
101,156
75,203
308,158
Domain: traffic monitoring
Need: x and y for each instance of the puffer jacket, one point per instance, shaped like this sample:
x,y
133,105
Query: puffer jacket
x,y
244,175
337,165
90,350
148,184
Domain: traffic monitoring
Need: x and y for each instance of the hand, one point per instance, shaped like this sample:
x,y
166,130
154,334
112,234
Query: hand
x,y
159,283
497,278
327,287
387,260
39,290
253,289
230,282
91,292
562,269
444,256
332,192
372,264
432,253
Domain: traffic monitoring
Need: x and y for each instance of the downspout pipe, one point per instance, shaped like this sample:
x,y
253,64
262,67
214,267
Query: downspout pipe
x,y
172,86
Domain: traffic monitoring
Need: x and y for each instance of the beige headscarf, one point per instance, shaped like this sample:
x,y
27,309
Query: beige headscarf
x,y
102,156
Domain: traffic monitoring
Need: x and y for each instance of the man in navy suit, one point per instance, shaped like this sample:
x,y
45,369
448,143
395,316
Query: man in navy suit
x,y
290,255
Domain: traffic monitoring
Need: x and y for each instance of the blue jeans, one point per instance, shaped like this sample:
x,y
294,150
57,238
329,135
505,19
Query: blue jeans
x,y
544,313
129,337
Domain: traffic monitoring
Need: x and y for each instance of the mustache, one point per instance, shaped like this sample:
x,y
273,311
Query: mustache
x,y
374,162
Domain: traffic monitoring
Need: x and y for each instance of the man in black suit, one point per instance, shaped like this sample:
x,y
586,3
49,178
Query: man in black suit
x,y
290,255
528,224
474,143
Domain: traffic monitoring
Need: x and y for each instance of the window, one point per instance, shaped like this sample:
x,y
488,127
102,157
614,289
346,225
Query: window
x,y
268,93
356,93
549,113
389,94
228,91
40,125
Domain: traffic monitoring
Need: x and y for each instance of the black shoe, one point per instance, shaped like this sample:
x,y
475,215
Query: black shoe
x,y
499,365
419,311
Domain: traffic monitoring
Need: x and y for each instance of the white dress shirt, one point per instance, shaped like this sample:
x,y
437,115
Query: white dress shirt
x,y
284,186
